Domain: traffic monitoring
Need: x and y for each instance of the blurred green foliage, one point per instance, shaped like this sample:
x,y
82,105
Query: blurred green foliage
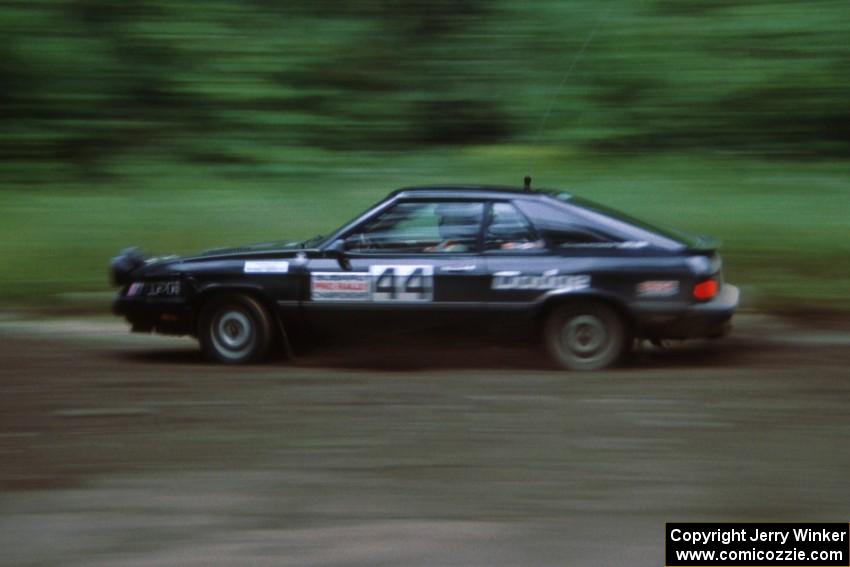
x,y
90,81
186,124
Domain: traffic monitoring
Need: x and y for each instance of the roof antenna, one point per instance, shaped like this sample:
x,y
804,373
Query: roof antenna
x,y
541,129
526,183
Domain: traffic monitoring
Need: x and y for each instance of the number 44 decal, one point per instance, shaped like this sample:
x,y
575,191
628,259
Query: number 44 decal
x,y
402,283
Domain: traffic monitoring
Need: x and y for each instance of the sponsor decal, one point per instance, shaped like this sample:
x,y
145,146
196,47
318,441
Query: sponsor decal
x,y
404,283
163,288
546,281
658,288
336,286
266,267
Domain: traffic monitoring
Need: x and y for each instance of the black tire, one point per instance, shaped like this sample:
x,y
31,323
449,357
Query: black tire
x,y
234,329
586,336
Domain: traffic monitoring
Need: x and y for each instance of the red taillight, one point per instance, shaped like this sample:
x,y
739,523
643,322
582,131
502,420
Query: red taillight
x,y
705,290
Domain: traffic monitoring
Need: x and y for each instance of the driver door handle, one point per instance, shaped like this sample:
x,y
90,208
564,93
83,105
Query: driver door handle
x,y
465,268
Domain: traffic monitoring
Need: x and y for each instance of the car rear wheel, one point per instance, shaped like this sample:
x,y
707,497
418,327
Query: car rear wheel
x,y
586,336
235,329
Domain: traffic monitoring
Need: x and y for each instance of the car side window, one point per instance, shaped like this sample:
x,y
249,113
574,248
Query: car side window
x,y
508,229
562,230
419,227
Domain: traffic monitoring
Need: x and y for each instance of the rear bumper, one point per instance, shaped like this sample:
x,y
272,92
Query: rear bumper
x,y
166,316
700,320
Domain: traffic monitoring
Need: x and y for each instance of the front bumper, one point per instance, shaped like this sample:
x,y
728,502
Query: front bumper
x,y
711,319
170,316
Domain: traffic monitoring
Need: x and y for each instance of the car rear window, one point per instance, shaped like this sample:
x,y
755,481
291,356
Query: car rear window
x,y
562,228
676,236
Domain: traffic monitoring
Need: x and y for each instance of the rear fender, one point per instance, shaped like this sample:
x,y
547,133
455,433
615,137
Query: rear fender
x,y
556,298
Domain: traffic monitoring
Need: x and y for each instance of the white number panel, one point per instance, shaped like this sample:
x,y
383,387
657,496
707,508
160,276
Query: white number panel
x,y
402,283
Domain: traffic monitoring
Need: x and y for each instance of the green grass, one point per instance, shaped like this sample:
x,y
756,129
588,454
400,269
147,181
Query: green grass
x,y
784,225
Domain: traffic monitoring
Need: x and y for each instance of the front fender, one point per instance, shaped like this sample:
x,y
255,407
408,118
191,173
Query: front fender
x,y
204,291
208,290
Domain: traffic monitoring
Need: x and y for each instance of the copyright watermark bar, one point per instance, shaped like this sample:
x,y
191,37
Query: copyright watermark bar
x,y
757,544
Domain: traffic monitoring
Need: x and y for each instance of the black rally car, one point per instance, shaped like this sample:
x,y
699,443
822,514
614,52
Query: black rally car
x,y
587,279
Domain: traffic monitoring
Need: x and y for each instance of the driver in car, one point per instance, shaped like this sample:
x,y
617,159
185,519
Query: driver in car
x,y
458,227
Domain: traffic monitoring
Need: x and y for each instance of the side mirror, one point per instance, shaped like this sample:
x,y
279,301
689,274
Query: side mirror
x,y
336,249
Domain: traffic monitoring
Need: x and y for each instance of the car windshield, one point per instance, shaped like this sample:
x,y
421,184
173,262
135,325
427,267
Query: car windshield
x,y
588,205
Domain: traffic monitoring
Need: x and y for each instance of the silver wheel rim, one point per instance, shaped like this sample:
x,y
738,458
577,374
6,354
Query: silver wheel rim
x,y
585,337
233,334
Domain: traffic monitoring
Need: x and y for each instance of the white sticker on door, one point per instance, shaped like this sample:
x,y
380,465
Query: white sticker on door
x,y
266,267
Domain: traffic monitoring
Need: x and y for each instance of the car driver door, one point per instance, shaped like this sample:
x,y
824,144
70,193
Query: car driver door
x,y
414,266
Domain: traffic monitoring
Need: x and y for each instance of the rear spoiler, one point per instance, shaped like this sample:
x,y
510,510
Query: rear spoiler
x,y
124,264
703,244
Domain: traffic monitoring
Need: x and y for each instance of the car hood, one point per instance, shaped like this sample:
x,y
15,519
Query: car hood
x,y
248,248
133,262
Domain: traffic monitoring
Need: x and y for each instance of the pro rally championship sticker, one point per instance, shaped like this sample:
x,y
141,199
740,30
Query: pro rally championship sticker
x,y
346,286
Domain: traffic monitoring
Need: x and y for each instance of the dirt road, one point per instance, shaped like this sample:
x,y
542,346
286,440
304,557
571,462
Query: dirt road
x,y
129,450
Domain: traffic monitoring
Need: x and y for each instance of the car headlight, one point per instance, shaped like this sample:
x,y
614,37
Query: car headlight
x,y
154,289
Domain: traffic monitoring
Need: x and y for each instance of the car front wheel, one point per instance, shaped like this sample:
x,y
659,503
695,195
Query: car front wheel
x,y
586,336
234,329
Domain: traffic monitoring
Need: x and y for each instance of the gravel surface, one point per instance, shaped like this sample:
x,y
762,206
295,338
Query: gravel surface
x,y
120,450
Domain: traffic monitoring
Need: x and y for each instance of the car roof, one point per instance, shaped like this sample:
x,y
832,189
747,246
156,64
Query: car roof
x,y
472,192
